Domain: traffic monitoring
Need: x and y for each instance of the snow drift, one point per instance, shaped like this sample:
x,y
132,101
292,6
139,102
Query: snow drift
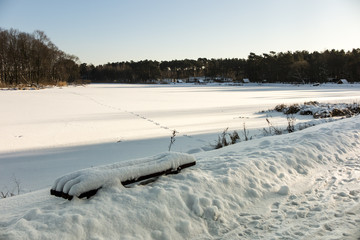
x,y
296,186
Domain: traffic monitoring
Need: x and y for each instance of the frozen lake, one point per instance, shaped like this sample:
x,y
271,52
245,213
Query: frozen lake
x,y
49,132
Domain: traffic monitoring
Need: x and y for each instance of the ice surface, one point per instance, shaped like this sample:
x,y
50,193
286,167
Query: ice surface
x,y
51,132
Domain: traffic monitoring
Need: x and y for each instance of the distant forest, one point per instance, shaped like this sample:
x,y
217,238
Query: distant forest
x,y
288,67
32,59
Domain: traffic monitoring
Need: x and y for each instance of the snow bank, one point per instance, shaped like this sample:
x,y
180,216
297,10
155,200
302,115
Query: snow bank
x,y
296,186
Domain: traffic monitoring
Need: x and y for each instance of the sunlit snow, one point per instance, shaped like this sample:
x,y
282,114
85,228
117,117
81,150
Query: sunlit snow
x,y
293,186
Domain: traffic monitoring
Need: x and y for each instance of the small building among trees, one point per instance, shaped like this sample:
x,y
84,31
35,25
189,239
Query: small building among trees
x,y
342,81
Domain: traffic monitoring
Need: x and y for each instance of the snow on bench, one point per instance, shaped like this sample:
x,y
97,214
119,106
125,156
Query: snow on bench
x,y
86,182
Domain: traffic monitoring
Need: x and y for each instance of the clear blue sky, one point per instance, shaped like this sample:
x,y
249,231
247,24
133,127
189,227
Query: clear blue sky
x,y
120,30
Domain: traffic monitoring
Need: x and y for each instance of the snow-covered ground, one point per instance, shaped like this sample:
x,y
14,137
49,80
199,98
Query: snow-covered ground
x,y
295,186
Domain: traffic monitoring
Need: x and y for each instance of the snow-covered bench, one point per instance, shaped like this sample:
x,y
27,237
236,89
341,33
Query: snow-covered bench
x,y
86,182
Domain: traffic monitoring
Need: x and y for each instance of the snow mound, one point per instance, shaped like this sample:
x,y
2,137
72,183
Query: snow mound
x,y
303,185
82,181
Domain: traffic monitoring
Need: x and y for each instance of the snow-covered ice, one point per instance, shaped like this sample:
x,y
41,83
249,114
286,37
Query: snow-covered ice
x,y
51,132
293,186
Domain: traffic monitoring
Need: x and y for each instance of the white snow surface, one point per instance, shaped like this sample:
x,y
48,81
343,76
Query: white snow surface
x,y
297,186
294,186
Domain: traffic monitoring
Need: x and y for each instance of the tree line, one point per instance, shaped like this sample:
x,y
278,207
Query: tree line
x,y
32,59
289,67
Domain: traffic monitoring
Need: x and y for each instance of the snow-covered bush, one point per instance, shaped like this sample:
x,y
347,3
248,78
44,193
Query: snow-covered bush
x,y
318,110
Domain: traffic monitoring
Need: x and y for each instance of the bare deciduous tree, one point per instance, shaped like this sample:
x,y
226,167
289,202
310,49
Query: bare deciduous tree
x,y
32,59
